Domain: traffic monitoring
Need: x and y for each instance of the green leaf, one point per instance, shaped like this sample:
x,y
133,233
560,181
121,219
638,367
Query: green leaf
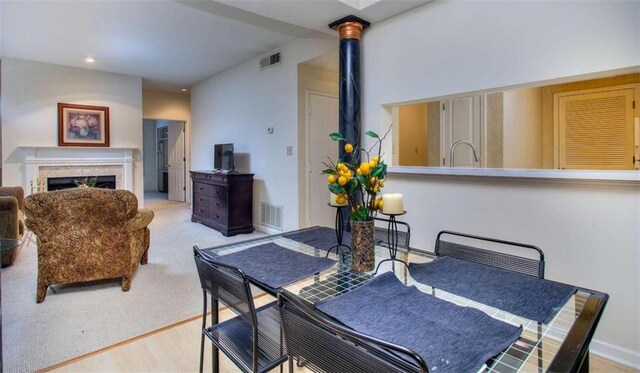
x,y
372,134
336,136
362,179
336,189
351,186
329,171
379,171
360,214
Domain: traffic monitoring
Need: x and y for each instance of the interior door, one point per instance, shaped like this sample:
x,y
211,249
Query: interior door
x,y
462,120
322,119
176,166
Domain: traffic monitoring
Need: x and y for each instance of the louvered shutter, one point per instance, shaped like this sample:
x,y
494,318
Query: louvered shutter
x,y
596,130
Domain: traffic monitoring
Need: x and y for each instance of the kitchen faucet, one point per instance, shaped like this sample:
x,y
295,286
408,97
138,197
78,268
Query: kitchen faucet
x,y
453,148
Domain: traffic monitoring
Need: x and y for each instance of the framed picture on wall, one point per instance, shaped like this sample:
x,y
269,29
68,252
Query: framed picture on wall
x,y
83,125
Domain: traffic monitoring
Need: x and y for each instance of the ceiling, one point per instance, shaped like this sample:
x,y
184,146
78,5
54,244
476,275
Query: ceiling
x,y
170,44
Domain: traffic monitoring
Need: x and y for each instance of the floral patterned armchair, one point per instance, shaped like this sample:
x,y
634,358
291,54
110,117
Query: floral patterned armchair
x,y
87,234
11,219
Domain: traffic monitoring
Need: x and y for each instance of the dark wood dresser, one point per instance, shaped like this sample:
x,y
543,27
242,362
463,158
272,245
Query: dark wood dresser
x,y
223,201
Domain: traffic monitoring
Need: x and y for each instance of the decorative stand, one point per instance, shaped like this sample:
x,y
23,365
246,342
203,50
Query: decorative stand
x,y
392,241
339,231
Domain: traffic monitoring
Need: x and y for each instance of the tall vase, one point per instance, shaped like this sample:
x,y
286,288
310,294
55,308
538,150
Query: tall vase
x,y
363,239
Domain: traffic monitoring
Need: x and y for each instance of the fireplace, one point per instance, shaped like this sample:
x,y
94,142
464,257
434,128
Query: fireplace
x,y
57,183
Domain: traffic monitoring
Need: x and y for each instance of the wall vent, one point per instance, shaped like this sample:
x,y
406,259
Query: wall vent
x,y
271,215
270,60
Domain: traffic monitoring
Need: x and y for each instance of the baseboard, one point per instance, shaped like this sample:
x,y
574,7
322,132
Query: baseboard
x,y
267,230
615,353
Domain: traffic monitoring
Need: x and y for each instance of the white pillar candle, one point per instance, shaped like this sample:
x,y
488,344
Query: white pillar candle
x,y
333,201
392,203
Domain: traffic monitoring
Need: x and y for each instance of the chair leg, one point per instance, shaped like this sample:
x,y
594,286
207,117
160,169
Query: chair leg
x,y
145,257
214,351
290,365
126,282
204,325
41,292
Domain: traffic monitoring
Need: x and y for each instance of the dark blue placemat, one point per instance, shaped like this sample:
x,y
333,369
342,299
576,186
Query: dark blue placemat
x,y
450,338
319,237
274,265
527,296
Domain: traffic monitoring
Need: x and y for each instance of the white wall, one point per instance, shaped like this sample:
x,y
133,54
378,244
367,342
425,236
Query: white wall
x,y
149,154
522,129
31,92
238,105
590,233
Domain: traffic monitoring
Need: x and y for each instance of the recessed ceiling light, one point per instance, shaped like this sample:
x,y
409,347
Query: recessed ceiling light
x,y
89,60
184,90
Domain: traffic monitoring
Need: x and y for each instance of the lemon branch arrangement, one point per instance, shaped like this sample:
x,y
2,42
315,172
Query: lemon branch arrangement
x,y
359,178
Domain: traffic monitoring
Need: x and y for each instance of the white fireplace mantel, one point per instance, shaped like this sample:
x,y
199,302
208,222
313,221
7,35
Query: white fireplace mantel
x,y
37,157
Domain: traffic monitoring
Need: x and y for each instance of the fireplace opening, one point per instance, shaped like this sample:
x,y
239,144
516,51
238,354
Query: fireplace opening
x,y
57,183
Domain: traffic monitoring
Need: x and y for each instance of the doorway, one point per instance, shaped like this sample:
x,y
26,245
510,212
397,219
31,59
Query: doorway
x,y
164,159
322,119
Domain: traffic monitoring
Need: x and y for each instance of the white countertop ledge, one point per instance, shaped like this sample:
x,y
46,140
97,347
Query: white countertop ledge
x,y
541,174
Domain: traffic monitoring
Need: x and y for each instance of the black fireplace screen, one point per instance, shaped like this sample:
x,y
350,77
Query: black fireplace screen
x,y
57,183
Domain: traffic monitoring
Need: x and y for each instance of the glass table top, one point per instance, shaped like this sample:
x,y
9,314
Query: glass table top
x,y
534,351
7,244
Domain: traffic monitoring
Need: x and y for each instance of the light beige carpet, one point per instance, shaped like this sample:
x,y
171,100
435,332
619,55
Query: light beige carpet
x,y
78,319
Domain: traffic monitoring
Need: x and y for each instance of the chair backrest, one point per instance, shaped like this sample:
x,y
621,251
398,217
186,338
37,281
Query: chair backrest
x,y
382,231
325,346
91,209
227,284
510,262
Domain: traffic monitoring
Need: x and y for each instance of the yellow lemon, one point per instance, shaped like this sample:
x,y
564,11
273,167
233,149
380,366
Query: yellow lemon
x,y
373,180
381,184
340,200
359,171
348,148
342,180
376,159
380,203
372,164
331,179
364,167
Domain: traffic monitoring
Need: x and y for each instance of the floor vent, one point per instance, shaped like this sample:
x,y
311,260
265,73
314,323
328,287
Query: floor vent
x,y
270,60
271,215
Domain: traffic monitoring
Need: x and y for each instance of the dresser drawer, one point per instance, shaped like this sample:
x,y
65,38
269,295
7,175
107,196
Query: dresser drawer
x,y
210,190
201,210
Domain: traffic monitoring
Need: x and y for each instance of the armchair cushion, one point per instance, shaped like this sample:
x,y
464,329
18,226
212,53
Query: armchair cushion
x,y
87,234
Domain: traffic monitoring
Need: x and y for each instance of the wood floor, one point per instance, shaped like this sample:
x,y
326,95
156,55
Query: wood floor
x,y
177,348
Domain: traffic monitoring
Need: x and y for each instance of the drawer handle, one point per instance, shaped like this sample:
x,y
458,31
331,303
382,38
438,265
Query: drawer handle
x,y
217,191
217,203
201,210
201,188
201,199
217,216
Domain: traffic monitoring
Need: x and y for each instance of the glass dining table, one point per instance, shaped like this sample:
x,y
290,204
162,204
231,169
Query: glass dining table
x,y
561,345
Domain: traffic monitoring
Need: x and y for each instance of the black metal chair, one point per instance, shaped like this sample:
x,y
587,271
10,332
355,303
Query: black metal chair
x,y
325,346
510,262
506,261
253,339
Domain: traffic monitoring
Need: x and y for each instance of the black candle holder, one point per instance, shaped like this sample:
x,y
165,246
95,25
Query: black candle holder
x,y
339,230
392,241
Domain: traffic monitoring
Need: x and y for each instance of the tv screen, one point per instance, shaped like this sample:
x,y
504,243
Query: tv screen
x,y
223,157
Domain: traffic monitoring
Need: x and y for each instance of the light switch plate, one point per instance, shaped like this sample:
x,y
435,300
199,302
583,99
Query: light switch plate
x,y
289,150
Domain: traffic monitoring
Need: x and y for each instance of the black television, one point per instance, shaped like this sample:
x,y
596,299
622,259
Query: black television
x,y
223,157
